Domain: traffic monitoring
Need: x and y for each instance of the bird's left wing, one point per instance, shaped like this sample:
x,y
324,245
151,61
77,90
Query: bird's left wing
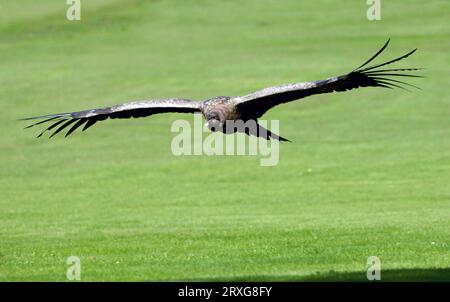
x,y
128,110
254,105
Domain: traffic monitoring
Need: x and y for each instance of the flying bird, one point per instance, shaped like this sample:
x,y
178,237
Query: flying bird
x,y
219,112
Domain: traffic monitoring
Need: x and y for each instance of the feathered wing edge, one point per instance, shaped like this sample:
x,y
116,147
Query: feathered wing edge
x,y
88,118
386,78
259,102
63,120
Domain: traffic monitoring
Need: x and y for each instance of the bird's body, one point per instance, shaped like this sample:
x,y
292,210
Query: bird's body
x,y
222,107
224,113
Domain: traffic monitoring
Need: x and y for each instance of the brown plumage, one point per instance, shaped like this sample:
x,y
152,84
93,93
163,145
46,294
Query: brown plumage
x,y
222,111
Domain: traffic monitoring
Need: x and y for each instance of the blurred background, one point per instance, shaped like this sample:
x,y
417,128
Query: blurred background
x,y
367,173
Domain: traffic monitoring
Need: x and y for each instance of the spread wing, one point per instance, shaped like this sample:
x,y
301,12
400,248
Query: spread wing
x,y
128,110
256,104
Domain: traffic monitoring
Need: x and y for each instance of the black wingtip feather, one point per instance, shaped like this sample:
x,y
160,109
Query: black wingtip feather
x,y
62,127
375,55
58,119
74,127
397,81
395,69
66,114
394,74
373,76
41,122
51,127
391,84
388,62
90,123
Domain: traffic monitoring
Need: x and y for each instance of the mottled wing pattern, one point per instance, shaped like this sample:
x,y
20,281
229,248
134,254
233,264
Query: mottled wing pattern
x,y
256,104
88,118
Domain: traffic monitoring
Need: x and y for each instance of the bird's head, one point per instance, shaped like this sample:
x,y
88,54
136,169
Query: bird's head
x,y
214,121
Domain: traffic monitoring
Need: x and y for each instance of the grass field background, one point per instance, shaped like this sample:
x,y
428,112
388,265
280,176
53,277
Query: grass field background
x,y
368,172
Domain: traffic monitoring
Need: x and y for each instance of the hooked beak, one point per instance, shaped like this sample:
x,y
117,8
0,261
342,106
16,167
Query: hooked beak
x,y
214,125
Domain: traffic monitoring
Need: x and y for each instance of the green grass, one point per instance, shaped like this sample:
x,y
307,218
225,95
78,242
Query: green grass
x,y
368,172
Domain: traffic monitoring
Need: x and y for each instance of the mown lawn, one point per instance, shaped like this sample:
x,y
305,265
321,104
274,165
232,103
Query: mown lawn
x,y
367,173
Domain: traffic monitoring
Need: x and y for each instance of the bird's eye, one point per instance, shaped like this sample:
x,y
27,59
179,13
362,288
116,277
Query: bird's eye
x,y
213,116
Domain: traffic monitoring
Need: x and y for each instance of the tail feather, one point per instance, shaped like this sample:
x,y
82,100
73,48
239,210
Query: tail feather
x,y
260,131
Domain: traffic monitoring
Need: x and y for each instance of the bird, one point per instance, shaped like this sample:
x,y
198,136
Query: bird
x,y
222,113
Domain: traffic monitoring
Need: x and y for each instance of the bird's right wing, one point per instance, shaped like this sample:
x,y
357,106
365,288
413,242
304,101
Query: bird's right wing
x,y
254,105
127,110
